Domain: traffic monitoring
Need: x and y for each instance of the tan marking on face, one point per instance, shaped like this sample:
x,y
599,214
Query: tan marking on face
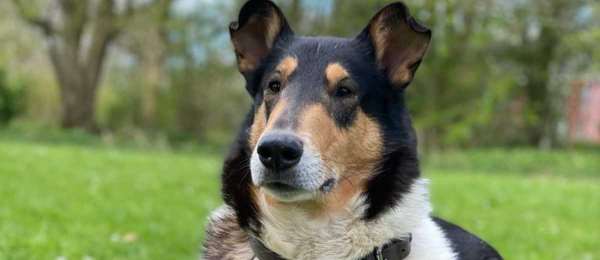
x,y
287,66
334,73
258,126
352,153
261,125
276,114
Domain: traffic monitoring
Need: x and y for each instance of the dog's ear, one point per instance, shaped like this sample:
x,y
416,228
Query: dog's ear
x,y
260,24
399,42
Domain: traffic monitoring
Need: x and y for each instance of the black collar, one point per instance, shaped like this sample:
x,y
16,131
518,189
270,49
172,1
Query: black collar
x,y
396,249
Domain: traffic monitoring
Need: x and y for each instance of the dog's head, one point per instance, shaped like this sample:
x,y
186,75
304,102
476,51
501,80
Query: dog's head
x,y
329,122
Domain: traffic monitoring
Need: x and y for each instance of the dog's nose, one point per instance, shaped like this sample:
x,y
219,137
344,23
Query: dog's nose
x,y
279,151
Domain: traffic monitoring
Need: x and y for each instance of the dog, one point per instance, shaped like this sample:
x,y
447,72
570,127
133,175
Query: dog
x,y
325,165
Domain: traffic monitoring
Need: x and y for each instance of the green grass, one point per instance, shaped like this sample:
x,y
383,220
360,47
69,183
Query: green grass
x,y
524,217
568,163
71,201
107,203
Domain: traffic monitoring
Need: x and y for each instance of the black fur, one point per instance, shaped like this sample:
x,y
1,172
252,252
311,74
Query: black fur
x,y
236,180
465,244
399,169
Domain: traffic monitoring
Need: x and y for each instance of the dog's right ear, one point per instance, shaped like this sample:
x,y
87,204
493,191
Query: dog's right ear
x,y
260,24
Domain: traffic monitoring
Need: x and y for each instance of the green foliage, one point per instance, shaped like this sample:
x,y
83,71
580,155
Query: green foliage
x,y
11,100
106,203
497,73
119,104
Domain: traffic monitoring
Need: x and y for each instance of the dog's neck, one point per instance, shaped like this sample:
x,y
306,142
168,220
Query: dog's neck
x,y
295,234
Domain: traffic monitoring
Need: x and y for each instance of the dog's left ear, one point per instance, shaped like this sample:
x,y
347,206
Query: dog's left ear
x,y
399,42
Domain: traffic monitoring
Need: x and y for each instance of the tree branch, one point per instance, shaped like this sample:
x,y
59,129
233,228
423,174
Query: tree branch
x,y
131,11
35,20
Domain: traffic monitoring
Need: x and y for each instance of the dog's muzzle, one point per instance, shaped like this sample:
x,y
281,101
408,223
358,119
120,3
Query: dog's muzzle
x,y
287,168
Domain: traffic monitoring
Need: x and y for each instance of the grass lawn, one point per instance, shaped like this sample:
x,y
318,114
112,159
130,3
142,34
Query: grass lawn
x,y
60,201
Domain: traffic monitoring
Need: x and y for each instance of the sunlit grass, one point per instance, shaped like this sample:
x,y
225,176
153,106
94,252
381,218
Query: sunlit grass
x,y
59,200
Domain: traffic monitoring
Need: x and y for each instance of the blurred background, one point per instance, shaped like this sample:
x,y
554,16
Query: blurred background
x,y
114,115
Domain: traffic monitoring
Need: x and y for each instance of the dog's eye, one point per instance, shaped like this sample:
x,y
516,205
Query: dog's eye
x,y
343,91
274,86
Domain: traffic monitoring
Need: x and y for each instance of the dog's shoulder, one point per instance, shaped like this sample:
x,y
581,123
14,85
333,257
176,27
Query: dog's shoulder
x,y
224,237
465,244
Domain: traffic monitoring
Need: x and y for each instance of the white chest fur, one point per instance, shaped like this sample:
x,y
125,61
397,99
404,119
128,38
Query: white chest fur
x,y
294,235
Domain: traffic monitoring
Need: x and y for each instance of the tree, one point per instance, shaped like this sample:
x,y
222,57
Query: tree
x,y
78,34
547,28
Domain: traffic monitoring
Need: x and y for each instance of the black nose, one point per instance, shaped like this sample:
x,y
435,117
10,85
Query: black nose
x,y
279,151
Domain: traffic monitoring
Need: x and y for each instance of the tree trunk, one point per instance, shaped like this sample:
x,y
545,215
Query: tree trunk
x,y
541,113
151,48
78,107
78,78
152,77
